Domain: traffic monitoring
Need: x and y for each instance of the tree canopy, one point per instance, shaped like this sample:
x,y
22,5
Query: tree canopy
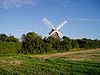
x,y
32,43
5,38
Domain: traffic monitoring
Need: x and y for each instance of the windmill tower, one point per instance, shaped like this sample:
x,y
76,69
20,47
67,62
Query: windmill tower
x,y
54,31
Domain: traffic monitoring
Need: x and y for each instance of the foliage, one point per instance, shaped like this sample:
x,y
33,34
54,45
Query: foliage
x,y
9,47
88,43
9,44
67,43
12,39
52,44
35,44
74,44
31,43
5,38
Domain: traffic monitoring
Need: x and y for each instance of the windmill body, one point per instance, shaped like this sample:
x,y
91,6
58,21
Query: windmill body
x,y
54,31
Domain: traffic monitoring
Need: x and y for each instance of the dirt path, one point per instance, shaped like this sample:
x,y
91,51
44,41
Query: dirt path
x,y
57,55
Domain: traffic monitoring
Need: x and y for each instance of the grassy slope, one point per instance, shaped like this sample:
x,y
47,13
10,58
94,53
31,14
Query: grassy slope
x,y
85,62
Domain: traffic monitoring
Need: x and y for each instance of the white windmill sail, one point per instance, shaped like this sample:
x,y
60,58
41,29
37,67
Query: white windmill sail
x,y
47,22
54,30
62,24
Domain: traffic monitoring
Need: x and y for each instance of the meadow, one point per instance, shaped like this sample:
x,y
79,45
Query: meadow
x,y
84,62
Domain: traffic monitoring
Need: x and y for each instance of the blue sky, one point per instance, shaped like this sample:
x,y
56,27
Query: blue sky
x,y
19,17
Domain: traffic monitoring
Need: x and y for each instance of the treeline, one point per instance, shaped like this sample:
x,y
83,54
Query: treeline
x,y
34,44
5,38
9,44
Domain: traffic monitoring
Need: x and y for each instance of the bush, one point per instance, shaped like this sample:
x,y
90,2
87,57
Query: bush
x,y
32,44
9,47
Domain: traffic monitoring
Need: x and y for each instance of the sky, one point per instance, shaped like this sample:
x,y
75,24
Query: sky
x,y
19,17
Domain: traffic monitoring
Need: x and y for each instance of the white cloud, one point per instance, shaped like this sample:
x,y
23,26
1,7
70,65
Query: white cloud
x,y
6,4
89,20
84,19
19,30
66,3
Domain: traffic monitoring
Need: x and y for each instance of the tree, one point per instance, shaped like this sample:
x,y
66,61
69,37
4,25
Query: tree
x,y
53,42
88,43
3,37
68,41
99,43
12,39
32,43
65,44
74,44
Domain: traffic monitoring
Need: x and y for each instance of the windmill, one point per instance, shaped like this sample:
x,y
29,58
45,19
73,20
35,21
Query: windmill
x,y
54,31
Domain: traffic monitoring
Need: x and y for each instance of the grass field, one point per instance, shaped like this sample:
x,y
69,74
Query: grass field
x,y
85,62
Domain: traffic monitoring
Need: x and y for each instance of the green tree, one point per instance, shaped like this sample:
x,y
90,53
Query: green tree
x,y
12,39
54,43
74,44
3,37
68,40
88,43
32,43
65,44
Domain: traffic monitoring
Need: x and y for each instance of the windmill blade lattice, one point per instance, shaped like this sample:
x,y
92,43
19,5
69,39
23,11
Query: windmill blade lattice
x,y
47,22
54,30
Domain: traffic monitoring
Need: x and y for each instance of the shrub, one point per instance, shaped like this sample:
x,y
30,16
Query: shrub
x,y
9,47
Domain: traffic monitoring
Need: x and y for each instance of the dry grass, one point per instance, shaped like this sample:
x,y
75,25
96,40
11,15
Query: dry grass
x,y
68,63
84,55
